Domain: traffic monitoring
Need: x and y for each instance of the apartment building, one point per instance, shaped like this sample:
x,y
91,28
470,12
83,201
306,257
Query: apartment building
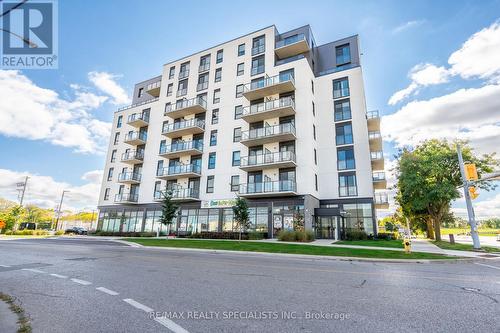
x,y
271,117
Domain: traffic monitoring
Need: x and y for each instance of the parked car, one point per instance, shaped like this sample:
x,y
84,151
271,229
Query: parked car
x,y
76,231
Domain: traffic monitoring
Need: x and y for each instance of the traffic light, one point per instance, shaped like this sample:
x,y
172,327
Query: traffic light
x,y
470,171
473,192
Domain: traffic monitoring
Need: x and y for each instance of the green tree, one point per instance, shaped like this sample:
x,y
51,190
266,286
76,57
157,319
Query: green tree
x,y
429,179
241,214
298,221
11,217
168,209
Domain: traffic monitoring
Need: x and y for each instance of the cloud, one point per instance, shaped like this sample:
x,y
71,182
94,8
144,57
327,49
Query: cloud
x,y
106,83
30,112
46,192
407,25
486,209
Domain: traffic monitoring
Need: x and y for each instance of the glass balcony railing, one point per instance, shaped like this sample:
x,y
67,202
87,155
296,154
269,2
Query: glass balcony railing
x,y
186,103
182,146
269,105
183,74
182,92
264,132
269,158
202,86
180,193
183,125
138,104
258,49
133,136
381,198
126,197
290,40
372,135
154,85
270,81
257,70
372,114
268,187
179,169
138,116
133,155
376,155
204,67
129,176
378,176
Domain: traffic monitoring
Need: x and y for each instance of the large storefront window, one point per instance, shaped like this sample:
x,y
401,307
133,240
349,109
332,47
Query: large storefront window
x,y
359,217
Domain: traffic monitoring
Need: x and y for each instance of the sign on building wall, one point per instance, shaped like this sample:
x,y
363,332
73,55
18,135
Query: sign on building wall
x,y
288,223
218,203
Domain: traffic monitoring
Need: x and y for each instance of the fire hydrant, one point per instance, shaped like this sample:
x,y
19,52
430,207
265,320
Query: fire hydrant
x,y
407,245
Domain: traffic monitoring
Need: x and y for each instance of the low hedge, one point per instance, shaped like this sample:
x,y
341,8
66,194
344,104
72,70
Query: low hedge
x,y
356,235
387,235
295,236
27,232
229,235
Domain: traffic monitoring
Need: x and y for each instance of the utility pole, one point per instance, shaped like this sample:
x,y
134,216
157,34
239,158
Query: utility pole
x,y
23,185
468,202
59,209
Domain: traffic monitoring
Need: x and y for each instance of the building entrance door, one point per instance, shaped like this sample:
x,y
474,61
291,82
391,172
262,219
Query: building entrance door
x,y
326,227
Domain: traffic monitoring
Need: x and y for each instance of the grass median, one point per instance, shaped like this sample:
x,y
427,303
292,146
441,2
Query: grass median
x,y
394,243
464,247
284,248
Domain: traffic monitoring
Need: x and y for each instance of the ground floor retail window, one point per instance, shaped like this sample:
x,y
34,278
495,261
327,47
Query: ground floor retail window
x,y
359,217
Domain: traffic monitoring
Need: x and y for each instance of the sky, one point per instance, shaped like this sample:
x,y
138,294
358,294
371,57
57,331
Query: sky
x,y
431,68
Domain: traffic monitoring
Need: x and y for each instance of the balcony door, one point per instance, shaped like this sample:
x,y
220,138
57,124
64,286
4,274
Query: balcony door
x,y
287,179
254,182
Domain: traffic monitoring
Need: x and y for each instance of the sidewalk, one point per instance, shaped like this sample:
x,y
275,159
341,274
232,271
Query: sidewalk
x,y
8,319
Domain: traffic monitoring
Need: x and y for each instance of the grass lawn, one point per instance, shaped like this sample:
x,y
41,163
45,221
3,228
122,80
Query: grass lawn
x,y
463,247
395,243
284,248
463,231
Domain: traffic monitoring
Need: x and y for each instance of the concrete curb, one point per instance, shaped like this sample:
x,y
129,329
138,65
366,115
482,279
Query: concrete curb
x,y
8,319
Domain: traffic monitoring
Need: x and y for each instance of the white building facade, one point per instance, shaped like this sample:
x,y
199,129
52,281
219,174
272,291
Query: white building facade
x,y
270,117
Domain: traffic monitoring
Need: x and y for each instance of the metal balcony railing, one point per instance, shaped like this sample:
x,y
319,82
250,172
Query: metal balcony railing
x,y
133,155
183,74
270,81
138,116
182,146
269,105
268,131
179,169
183,124
268,187
269,158
185,103
182,92
202,86
204,67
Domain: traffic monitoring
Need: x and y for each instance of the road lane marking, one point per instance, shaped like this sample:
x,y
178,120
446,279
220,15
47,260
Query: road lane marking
x,y
34,270
490,266
59,276
170,325
83,282
107,291
137,305
6,266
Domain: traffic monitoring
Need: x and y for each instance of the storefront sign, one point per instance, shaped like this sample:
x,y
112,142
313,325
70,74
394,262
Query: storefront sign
x,y
218,203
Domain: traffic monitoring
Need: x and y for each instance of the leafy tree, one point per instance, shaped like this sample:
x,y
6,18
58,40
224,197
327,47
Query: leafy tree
x,y
298,221
168,209
241,214
429,179
11,216
493,223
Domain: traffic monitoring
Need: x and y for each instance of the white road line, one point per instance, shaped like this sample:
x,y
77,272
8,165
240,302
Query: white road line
x,y
490,266
107,291
59,276
33,270
170,325
6,266
85,283
137,305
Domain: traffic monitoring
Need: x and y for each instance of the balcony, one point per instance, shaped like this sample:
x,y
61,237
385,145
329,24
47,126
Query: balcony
x,y
271,109
260,136
182,148
291,46
126,198
186,107
381,201
269,86
180,171
138,119
379,181
136,138
133,156
154,88
268,189
283,159
180,194
373,119
375,139
129,178
192,126
377,158
183,74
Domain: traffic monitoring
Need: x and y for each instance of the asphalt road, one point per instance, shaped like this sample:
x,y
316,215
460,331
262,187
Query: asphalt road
x,y
78,285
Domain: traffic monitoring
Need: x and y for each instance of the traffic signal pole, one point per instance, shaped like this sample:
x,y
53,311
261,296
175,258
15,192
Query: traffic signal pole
x,y
468,202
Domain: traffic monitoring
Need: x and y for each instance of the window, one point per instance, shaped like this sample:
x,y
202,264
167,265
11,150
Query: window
x,y
182,88
210,184
159,168
239,90
314,109
347,185
211,160
312,86
218,74
315,156
258,45
110,174
240,69
343,134
342,110
345,158
113,155
241,50
117,138
236,158
202,82
184,71
314,132
220,56
258,65
237,134
238,111
106,194
140,93
340,88
213,138
119,122
163,146
157,191
170,88
171,72
316,181
216,96
204,63
235,183
215,116
343,54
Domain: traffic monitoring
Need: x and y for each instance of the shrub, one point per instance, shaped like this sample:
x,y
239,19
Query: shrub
x,y
286,236
295,236
253,235
8,232
59,232
356,235
228,235
385,235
